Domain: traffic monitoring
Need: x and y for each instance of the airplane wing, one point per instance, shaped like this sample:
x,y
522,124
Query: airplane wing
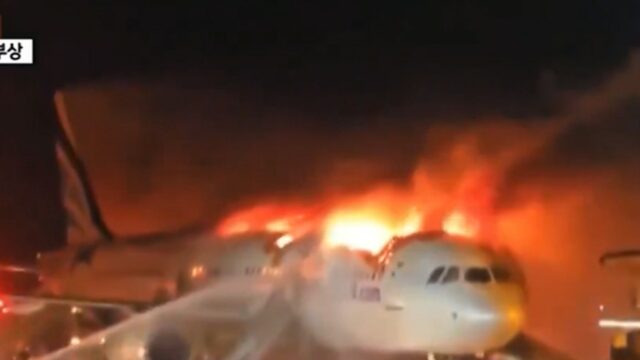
x,y
230,299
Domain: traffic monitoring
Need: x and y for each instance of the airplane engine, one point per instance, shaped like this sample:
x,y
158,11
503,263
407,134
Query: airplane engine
x,y
167,344
164,343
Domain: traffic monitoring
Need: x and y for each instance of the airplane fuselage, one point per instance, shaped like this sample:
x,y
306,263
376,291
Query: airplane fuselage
x,y
349,306
135,271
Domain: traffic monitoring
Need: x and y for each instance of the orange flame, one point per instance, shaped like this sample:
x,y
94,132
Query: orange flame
x,y
281,218
357,233
368,221
458,223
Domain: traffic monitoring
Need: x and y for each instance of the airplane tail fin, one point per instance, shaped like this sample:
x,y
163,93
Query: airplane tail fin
x,y
84,221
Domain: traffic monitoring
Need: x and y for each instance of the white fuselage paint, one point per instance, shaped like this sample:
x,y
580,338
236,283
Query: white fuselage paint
x,y
348,303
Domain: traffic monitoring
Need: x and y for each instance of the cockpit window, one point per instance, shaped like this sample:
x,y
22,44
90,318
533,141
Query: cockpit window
x,y
500,274
452,275
435,275
477,275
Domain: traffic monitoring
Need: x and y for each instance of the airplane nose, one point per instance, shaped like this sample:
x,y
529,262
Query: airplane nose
x,y
481,310
497,320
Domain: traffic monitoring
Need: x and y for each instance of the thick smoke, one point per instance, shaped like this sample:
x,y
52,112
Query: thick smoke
x,y
177,152
558,189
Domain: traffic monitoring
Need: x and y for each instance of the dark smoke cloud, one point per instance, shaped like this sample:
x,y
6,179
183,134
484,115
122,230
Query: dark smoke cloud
x,y
174,152
595,135
167,152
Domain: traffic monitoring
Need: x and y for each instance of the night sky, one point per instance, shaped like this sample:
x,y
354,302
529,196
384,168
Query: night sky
x,y
334,69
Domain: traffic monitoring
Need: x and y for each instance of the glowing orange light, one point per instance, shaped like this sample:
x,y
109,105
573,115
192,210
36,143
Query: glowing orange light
x,y
197,271
235,228
357,233
75,340
411,224
281,218
457,223
284,240
278,225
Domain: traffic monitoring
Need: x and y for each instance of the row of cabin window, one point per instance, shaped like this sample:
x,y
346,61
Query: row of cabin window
x,y
472,275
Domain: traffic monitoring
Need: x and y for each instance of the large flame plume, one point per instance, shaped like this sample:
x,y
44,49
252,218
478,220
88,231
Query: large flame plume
x,y
368,220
